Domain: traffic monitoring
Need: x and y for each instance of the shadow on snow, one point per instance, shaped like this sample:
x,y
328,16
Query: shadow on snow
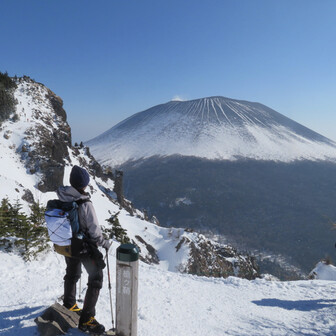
x,y
11,321
301,305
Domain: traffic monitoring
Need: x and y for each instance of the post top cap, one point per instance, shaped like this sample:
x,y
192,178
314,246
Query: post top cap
x,y
127,252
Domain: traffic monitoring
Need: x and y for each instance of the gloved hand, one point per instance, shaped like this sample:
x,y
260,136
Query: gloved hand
x,y
107,244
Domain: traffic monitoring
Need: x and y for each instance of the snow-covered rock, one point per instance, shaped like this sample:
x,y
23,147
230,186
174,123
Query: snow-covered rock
x,y
323,271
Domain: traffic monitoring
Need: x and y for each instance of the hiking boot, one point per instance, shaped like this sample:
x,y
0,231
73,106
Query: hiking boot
x,y
91,326
76,309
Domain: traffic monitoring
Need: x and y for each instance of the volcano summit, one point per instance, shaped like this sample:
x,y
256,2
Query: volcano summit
x,y
211,128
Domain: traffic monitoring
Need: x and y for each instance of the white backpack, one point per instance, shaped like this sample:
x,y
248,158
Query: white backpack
x,y
59,226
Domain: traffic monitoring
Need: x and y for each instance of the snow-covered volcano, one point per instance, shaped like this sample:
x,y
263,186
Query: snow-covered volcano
x,y
212,128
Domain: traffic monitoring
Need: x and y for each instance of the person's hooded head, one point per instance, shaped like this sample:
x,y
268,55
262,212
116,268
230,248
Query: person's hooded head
x,y
79,178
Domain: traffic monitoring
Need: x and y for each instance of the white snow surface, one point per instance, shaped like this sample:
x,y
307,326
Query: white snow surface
x,y
172,303
211,128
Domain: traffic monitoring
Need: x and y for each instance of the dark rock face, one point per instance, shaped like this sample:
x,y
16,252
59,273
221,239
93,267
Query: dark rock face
x,y
118,186
57,104
48,155
118,177
94,167
152,257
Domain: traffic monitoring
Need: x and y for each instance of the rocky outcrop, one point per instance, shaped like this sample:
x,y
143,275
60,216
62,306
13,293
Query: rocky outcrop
x,y
45,145
56,320
47,155
118,186
28,196
150,255
57,104
90,163
208,258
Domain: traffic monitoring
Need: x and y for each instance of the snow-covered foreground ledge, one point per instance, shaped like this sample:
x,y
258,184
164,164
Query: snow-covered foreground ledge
x,y
323,271
175,304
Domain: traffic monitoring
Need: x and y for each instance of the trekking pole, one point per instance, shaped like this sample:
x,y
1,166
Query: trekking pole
x,y
110,287
80,289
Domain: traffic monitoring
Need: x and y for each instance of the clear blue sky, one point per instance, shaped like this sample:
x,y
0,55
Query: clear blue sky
x,y
110,59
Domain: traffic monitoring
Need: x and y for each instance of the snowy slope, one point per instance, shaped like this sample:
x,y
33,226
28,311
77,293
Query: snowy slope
x,y
175,304
31,110
212,128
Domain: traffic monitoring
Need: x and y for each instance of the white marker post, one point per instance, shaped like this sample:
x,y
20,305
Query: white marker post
x,y
127,290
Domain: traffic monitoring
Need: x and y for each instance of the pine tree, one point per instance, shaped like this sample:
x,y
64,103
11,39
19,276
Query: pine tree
x,y
20,226
30,233
38,233
37,214
5,224
7,100
5,218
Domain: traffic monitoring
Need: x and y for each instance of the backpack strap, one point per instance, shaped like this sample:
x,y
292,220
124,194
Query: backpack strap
x,y
82,201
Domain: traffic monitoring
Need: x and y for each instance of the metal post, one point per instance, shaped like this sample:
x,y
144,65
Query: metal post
x,y
127,290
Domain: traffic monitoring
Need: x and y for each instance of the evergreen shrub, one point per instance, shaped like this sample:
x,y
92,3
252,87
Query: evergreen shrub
x,y
20,233
116,230
7,100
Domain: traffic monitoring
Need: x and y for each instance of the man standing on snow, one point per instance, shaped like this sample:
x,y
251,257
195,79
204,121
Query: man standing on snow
x,y
89,255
